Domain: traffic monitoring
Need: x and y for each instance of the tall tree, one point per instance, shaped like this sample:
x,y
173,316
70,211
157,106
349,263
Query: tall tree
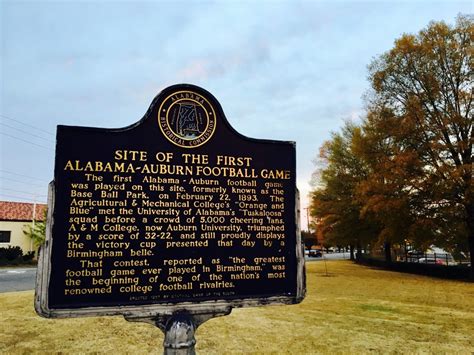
x,y
333,202
422,111
390,191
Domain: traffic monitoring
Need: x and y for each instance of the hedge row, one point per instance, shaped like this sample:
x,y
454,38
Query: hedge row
x,y
14,256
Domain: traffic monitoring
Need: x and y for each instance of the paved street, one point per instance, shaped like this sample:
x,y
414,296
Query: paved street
x,y
330,256
17,279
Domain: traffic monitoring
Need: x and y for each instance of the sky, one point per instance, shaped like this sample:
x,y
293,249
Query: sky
x,y
282,70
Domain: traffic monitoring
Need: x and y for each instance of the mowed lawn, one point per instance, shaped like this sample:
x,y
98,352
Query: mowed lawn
x,y
355,309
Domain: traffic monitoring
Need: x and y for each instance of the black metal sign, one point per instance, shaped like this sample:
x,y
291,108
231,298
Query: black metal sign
x,y
176,210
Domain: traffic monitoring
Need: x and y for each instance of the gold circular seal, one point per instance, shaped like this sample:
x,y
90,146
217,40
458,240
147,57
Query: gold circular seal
x,y
187,119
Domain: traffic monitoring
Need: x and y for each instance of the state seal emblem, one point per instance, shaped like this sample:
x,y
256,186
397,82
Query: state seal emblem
x,y
187,119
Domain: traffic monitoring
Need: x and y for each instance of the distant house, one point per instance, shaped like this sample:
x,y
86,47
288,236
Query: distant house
x,y
14,217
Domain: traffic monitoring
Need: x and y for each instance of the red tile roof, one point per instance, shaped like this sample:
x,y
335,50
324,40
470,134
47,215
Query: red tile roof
x,y
20,211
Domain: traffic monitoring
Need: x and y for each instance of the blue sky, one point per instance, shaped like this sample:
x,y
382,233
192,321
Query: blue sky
x,y
280,69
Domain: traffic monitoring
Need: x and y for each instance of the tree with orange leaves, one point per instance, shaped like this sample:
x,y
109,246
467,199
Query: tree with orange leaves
x,y
418,137
333,202
407,171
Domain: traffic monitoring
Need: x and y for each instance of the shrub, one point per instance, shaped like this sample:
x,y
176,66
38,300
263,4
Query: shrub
x,y
29,256
11,253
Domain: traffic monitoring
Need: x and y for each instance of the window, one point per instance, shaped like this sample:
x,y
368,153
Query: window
x,y
5,236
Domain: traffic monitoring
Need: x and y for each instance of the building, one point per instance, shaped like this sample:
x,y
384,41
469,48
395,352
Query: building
x,y
14,217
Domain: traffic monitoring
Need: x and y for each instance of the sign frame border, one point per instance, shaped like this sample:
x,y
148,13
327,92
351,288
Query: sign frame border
x,y
43,275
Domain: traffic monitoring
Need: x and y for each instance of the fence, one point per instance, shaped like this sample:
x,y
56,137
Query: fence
x,y
449,271
428,258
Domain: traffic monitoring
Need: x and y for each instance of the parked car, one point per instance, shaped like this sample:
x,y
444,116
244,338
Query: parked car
x,y
438,260
430,261
315,253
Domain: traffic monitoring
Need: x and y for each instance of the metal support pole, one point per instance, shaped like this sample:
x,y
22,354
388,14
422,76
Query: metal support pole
x,y
179,335
179,327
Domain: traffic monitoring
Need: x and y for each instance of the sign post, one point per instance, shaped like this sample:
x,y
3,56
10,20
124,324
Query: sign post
x,y
173,220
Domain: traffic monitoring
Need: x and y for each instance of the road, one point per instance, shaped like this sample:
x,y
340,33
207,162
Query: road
x,y
17,279
22,279
330,256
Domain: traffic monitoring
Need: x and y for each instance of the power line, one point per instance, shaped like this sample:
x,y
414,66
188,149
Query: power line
x,y
24,140
22,198
22,175
21,182
26,124
23,192
22,131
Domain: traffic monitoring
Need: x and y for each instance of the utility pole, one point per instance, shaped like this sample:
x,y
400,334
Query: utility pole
x,y
307,218
33,222
322,249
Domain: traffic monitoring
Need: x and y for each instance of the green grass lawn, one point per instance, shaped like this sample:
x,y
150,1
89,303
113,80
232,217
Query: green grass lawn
x,y
355,309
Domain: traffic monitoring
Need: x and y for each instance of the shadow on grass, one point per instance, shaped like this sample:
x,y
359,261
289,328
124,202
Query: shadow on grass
x,y
327,275
377,308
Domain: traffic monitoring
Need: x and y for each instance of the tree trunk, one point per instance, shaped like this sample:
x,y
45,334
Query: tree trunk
x,y
359,250
470,234
388,251
352,251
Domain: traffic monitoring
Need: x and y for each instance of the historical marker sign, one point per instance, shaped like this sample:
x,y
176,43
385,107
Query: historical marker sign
x,y
178,211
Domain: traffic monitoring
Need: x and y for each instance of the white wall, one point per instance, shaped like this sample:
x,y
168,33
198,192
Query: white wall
x,y
17,237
